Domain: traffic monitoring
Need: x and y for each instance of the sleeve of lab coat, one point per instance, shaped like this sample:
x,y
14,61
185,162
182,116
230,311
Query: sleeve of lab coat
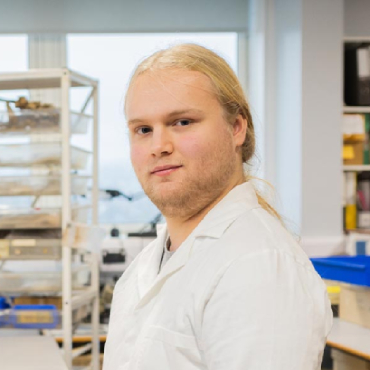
x,y
267,312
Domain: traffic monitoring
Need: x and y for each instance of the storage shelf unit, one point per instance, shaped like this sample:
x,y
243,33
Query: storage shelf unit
x,y
356,168
75,239
347,109
348,43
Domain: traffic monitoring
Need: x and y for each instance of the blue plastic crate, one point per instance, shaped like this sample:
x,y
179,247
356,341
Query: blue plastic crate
x,y
3,318
3,303
33,316
348,269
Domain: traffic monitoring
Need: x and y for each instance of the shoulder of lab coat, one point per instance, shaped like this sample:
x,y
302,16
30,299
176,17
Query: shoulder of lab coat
x,y
264,305
267,311
257,300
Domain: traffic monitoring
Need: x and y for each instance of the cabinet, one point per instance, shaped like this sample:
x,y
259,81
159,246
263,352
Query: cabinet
x,y
49,199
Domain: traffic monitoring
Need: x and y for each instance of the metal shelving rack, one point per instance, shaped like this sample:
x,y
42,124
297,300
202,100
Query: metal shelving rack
x,y
65,79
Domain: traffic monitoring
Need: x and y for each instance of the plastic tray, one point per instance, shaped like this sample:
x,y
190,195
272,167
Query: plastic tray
x,y
30,249
30,218
34,317
39,185
46,244
30,244
38,281
41,121
4,316
348,269
39,218
40,154
78,314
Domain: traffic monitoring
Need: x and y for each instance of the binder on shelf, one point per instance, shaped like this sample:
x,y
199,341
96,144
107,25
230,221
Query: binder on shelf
x,y
357,75
363,200
366,145
350,199
356,128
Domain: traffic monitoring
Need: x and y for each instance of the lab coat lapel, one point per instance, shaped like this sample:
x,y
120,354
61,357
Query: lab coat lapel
x,y
149,262
150,281
240,199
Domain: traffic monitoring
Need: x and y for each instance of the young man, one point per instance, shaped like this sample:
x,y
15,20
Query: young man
x,y
224,286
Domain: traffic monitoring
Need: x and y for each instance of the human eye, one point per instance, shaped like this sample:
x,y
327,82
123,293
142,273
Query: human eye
x,y
183,122
143,130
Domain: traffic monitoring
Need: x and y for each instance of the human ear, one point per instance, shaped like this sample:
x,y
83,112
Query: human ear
x,y
240,126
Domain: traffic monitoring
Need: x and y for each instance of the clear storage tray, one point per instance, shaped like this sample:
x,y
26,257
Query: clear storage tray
x,y
39,218
29,218
38,281
39,185
43,121
41,153
41,244
30,244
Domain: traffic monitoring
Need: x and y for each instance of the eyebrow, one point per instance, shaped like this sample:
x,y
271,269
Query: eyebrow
x,y
170,115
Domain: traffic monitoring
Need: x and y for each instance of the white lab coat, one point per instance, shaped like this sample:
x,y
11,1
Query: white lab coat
x,y
238,294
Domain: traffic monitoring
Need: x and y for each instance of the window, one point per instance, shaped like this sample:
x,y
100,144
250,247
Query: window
x,y
111,59
13,58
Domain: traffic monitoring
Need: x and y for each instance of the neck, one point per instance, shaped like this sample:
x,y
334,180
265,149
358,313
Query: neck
x,y
180,228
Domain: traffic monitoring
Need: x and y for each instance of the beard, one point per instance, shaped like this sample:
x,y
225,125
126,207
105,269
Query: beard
x,y
207,178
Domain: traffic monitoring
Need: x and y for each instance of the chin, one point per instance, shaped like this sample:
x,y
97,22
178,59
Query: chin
x,y
166,190
168,196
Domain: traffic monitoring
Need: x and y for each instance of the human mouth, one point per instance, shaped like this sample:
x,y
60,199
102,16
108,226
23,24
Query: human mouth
x,y
164,170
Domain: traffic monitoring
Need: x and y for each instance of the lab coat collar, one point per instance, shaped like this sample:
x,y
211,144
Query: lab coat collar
x,y
214,224
218,219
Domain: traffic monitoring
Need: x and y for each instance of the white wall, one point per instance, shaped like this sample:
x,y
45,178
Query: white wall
x,y
357,18
322,91
288,119
301,55
97,16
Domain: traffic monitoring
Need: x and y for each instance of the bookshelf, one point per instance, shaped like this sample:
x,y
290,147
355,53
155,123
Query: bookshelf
x,y
356,194
356,168
347,109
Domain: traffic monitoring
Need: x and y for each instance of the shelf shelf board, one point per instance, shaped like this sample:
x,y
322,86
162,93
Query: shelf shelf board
x,y
356,168
356,109
42,79
354,39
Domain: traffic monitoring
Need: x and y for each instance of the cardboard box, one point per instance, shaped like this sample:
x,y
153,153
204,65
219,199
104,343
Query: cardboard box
x,y
354,304
345,361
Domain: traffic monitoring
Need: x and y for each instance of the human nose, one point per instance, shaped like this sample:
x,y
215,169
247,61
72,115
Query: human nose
x,y
161,143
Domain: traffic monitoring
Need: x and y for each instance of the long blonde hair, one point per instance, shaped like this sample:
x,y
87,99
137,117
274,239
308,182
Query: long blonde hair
x,y
227,87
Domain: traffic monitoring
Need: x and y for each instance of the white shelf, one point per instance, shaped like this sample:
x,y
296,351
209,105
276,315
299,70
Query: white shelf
x,y
356,39
356,109
42,79
356,168
62,79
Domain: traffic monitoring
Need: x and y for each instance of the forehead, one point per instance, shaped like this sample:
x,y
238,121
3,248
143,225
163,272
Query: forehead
x,y
159,92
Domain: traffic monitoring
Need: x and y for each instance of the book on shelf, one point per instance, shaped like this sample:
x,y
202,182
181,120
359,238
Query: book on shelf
x,y
357,74
356,200
356,128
